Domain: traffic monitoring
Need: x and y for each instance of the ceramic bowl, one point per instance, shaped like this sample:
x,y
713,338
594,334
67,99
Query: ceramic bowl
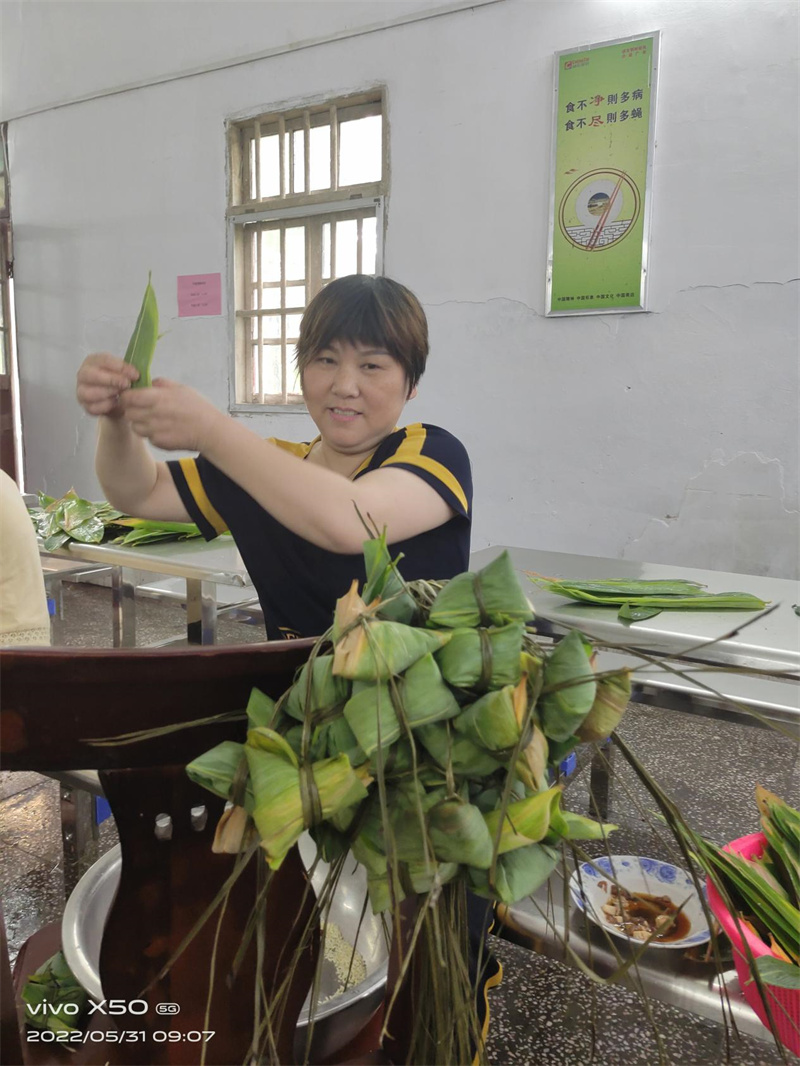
x,y
590,887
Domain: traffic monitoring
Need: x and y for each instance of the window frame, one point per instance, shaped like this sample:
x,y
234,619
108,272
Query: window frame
x,y
287,206
236,282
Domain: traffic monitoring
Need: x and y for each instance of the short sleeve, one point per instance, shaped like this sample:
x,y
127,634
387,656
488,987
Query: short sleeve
x,y
191,477
438,458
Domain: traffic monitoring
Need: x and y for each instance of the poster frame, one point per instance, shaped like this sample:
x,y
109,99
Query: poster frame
x,y
655,36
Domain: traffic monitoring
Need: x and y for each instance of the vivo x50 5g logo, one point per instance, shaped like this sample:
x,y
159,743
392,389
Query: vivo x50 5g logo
x,y
103,1006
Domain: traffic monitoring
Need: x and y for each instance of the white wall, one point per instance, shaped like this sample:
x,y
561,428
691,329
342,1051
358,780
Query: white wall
x,y
670,436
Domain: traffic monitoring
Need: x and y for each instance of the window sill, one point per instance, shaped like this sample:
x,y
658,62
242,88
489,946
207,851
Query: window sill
x,y
268,409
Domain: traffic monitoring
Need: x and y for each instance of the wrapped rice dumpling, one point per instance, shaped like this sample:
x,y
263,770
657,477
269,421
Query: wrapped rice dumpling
x,y
482,658
610,703
517,874
569,688
283,807
375,650
216,769
316,689
451,749
496,720
490,597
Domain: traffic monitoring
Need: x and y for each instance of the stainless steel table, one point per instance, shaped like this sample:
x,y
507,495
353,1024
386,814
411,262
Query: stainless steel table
x,y
203,565
689,640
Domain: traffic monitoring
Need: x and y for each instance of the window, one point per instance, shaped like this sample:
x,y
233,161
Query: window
x,y
305,206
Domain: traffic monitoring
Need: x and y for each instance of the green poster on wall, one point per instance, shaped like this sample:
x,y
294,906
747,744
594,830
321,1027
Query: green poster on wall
x,y
603,141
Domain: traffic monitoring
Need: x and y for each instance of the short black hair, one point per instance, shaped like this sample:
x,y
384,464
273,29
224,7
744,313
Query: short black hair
x,y
362,309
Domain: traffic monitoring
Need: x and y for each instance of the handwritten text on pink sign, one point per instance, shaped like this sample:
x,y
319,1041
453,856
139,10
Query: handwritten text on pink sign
x,y
199,294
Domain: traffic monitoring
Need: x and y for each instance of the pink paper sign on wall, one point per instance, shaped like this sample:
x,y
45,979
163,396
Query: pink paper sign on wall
x,y
199,294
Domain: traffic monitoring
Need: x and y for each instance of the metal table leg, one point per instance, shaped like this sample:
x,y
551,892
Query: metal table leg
x,y
600,780
79,834
201,612
123,605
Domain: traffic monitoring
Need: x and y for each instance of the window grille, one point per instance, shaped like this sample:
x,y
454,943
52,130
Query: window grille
x,y
305,206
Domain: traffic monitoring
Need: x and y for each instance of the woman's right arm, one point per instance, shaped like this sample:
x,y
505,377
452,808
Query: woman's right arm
x,y
131,478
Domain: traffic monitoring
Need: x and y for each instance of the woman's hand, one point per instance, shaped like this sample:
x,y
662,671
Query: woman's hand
x,y
172,416
102,379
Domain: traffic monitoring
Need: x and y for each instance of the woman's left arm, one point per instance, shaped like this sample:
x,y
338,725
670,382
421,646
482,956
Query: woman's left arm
x,y
317,504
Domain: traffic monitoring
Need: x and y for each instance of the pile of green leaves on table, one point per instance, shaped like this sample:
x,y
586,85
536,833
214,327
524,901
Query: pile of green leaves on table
x,y
53,997
765,892
638,600
57,521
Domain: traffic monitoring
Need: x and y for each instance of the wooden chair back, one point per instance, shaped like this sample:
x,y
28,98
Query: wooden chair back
x,y
53,704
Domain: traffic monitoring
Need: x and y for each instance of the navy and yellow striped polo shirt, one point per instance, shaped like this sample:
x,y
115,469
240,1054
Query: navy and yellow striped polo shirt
x,y
297,582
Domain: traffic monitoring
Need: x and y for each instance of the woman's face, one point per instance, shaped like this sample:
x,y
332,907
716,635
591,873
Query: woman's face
x,y
355,394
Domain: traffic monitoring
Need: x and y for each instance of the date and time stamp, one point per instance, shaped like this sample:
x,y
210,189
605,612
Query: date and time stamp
x,y
117,1009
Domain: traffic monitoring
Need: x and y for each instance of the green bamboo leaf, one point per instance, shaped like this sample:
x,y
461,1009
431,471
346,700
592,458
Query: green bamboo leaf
x,y
260,709
778,973
630,612
75,512
384,581
143,340
57,540
526,821
667,595
623,587
90,532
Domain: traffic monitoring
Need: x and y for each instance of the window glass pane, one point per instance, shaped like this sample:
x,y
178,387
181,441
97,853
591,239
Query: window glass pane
x,y
272,369
252,195
360,150
295,253
270,255
369,245
295,296
255,377
320,157
271,298
271,327
346,237
3,361
270,167
299,149
293,327
326,250
294,379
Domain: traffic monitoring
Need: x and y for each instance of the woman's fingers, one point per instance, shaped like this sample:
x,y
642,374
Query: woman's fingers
x,y
102,378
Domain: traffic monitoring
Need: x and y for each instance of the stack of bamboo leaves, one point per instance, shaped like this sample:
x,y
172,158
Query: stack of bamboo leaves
x,y
60,520
766,891
423,735
53,997
638,600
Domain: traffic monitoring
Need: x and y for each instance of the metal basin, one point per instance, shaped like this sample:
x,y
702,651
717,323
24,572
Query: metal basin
x,y
336,1021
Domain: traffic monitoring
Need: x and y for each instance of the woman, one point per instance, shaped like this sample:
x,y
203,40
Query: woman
x,y
297,511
